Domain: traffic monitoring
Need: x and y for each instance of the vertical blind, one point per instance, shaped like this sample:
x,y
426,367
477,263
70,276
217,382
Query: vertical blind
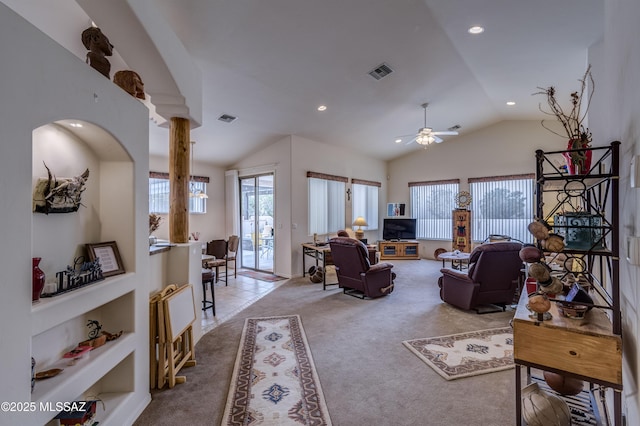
x,y
502,205
431,205
326,203
365,202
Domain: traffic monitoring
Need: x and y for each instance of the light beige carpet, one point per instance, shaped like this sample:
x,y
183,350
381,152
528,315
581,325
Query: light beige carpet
x,y
368,376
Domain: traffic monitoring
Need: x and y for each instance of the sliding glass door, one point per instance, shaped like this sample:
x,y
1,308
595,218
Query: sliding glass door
x,y
256,222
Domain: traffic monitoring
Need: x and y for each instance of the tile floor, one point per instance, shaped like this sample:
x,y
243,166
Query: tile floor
x,y
233,298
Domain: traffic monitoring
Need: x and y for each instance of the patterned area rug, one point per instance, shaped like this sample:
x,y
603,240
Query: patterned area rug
x,y
466,354
262,276
274,379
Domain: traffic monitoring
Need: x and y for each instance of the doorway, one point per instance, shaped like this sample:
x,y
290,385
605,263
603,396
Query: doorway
x,y
256,222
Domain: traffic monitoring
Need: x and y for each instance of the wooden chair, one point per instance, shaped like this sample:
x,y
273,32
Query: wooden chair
x,y
232,253
218,249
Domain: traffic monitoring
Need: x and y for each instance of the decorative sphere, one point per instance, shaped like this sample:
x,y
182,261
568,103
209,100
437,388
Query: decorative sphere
x,y
554,243
538,230
539,303
530,254
562,384
540,272
540,408
555,287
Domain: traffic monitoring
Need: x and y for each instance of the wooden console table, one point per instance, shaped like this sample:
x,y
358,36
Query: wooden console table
x,y
586,348
322,256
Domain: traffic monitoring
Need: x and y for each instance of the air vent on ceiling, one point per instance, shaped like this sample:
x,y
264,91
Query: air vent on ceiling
x,y
454,128
227,118
380,71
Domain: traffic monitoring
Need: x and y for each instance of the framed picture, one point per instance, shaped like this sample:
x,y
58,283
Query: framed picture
x,y
109,256
395,209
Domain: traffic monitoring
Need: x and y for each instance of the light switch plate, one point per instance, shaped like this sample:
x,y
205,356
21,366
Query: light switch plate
x,y
635,172
633,250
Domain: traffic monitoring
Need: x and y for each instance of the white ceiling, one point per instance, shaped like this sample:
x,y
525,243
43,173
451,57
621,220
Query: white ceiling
x,y
271,63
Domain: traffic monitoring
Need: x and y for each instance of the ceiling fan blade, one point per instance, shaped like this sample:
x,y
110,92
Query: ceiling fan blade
x,y
437,139
446,133
406,139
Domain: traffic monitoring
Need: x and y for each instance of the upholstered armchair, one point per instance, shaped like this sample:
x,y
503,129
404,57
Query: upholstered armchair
x,y
356,276
491,279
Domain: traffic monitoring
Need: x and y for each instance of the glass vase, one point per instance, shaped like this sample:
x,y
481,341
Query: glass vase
x,y
38,280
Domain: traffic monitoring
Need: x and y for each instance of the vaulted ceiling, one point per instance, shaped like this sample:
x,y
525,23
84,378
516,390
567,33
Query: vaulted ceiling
x,y
272,63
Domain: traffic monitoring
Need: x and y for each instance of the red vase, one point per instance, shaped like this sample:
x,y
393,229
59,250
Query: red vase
x,y
578,163
38,279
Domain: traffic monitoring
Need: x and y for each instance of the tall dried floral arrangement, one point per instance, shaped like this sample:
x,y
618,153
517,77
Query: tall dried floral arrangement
x,y
573,120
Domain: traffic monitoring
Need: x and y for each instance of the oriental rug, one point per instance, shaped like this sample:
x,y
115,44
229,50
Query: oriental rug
x,y
274,380
466,354
262,276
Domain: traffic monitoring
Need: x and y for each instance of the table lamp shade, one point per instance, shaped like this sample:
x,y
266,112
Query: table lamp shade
x,y
360,222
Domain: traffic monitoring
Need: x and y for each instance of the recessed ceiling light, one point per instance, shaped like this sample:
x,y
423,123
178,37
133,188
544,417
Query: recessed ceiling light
x,y
511,103
398,140
476,30
322,108
75,124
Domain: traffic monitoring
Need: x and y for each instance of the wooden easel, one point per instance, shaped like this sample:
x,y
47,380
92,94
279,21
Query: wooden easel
x,y
172,314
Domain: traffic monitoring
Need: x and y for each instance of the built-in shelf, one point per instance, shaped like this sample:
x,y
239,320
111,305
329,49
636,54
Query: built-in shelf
x,y
52,311
75,379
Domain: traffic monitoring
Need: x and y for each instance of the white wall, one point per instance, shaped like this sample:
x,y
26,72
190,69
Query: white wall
x,y
619,119
504,148
211,225
42,83
308,155
277,159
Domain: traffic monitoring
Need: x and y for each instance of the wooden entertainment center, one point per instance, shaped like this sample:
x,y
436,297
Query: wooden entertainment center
x,y
398,249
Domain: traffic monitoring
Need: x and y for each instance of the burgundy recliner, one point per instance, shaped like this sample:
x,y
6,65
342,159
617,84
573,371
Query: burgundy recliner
x,y
355,275
492,278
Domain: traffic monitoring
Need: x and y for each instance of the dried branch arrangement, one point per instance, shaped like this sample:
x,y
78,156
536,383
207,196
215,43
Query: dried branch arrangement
x,y
571,121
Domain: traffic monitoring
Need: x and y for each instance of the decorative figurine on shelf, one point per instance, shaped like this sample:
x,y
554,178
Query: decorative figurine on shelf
x,y
130,82
59,195
99,47
97,337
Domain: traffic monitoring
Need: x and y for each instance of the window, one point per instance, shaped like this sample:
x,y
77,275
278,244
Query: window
x,y
159,193
432,204
365,201
502,205
326,203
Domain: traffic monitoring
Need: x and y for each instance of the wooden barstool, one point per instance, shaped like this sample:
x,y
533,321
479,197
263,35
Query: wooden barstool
x,y
208,276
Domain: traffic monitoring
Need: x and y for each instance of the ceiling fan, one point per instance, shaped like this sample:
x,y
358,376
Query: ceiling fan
x,y
426,135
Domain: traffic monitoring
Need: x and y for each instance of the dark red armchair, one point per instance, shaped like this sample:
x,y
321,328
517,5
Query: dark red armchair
x,y
355,274
492,277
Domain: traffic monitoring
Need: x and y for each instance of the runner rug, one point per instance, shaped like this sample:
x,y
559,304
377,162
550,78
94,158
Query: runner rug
x,y
466,354
274,380
261,276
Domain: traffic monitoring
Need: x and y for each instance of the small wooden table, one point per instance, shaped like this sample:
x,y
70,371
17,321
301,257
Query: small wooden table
x,y
458,260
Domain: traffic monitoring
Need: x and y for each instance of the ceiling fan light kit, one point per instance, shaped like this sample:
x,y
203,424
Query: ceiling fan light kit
x,y
426,135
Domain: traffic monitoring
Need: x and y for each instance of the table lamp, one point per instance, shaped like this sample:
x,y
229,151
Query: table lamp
x,y
360,222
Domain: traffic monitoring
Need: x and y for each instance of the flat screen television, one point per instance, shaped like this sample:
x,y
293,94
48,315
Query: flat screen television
x,y
399,229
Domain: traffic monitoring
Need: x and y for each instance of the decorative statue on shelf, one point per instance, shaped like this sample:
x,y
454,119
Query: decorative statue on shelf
x,y
99,47
130,82
59,195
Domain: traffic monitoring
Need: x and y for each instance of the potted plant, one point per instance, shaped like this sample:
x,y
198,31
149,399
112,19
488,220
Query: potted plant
x,y
154,224
578,155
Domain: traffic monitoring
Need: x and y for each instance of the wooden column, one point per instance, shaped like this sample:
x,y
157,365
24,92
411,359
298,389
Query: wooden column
x,y
179,150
